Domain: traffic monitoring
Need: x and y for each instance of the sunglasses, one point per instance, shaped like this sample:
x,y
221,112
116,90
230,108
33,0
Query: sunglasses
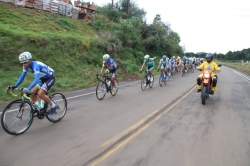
x,y
24,62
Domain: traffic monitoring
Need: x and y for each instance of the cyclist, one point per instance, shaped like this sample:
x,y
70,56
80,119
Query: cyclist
x,y
44,79
178,63
164,65
111,68
209,64
172,64
150,63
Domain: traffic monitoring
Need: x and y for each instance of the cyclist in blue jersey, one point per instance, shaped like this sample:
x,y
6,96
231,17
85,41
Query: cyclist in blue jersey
x,y
164,65
172,63
111,68
43,79
184,60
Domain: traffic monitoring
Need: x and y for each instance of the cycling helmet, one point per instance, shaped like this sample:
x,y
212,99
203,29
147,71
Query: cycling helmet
x,y
164,57
209,57
146,57
184,57
25,56
106,57
173,57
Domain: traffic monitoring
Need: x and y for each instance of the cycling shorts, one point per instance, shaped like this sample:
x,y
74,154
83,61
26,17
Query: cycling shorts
x,y
46,83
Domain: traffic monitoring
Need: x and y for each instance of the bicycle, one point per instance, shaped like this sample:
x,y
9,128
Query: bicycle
x,y
184,70
102,87
146,81
18,115
162,79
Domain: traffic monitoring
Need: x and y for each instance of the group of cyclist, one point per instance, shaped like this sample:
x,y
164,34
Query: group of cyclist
x,y
44,75
176,64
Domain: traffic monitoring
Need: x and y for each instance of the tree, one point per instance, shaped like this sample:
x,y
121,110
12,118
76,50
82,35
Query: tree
x,y
127,10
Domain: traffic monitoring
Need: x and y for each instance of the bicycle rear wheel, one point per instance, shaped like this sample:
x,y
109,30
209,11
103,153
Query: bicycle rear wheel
x,y
17,117
60,112
151,82
100,90
116,87
144,83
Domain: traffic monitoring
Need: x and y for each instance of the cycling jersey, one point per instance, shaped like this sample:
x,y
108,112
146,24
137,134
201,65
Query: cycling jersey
x,y
149,62
40,71
109,63
172,62
164,63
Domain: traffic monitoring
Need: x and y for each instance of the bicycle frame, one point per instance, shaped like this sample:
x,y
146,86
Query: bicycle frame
x,y
25,98
104,80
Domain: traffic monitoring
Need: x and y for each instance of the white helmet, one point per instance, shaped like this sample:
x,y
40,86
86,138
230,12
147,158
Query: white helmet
x,y
146,57
106,57
25,56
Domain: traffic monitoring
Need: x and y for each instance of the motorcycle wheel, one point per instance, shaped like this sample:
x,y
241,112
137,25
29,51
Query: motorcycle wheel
x,y
204,94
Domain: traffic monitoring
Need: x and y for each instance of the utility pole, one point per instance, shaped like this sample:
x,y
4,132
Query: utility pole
x,y
112,4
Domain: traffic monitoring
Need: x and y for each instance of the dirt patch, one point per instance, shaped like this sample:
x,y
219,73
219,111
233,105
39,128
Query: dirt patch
x,y
131,77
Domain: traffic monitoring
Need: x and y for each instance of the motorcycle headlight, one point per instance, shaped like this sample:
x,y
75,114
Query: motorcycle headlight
x,y
206,75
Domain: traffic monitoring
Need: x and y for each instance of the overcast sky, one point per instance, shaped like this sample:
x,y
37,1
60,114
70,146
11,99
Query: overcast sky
x,y
203,25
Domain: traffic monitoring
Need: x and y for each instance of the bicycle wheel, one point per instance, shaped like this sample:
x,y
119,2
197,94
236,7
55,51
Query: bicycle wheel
x,y
61,101
183,72
100,90
192,69
144,83
151,82
116,87
161,80
17,117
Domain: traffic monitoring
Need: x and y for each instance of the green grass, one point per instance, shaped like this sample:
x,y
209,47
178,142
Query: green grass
x,y
243,67
71,47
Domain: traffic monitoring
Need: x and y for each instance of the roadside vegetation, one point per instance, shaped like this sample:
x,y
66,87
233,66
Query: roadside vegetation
x,y
238,65
74,48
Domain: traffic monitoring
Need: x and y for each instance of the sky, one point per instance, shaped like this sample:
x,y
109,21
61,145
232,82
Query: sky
x,y
215,26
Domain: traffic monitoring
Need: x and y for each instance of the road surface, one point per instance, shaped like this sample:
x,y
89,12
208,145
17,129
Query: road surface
x,y
161,126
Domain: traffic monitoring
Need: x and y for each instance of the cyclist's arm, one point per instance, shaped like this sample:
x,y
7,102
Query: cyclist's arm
x,y
21,78
36,80
159,65
102,69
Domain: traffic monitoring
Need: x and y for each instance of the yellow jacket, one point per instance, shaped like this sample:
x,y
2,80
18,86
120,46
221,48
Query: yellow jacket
x,y
209,66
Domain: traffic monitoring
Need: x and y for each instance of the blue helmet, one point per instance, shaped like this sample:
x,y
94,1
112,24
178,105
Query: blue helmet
x,y
164,56
184,57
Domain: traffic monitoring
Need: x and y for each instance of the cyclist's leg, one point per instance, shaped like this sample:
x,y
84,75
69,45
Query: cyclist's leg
x,y
113,72
162,69
33,91
44,88
150,69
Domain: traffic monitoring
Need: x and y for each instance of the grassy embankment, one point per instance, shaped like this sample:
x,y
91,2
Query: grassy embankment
x,y
71,47
243,67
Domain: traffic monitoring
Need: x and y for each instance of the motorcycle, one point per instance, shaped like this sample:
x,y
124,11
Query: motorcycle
x,y
206,84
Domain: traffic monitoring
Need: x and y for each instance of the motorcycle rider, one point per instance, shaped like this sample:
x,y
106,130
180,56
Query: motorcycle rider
x,y
209,64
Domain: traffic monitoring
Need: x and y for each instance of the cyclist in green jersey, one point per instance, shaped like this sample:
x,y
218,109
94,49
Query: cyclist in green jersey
x,y
150,63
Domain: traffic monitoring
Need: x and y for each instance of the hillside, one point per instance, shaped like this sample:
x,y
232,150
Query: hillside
x,y
71,47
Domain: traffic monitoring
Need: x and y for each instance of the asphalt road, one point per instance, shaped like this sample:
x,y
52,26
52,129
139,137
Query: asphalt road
x,y
159,126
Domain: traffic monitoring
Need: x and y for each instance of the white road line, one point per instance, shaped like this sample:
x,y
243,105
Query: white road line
x,y
91,93
242,76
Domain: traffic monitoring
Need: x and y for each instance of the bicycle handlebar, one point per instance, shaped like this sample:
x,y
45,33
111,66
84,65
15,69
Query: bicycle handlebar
x,y
22,94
